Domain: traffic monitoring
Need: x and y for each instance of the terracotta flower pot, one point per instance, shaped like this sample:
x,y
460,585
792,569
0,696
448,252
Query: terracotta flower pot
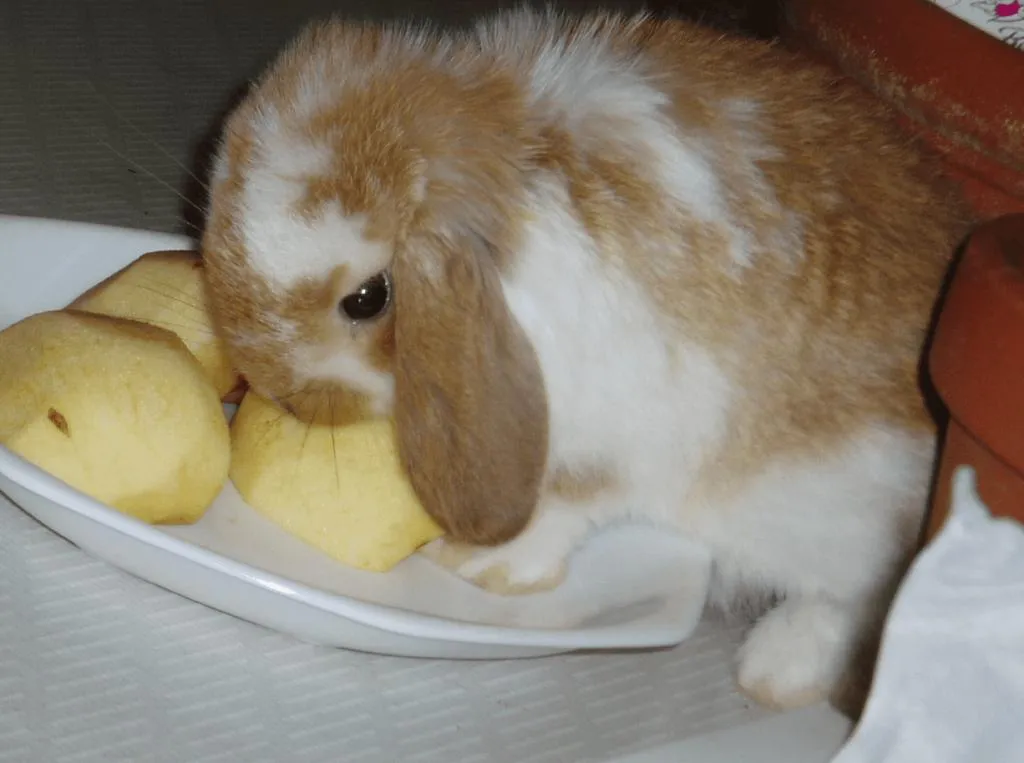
x,y
960,89
977,365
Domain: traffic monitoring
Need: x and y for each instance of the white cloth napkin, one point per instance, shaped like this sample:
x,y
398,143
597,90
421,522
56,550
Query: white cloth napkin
x,y
949,685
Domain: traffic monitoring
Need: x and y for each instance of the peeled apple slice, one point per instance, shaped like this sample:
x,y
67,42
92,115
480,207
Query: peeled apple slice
x,y
166,289
117,409
340,489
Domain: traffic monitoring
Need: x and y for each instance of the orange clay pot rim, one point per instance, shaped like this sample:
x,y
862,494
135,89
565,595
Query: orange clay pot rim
x,y
1002,280
996,291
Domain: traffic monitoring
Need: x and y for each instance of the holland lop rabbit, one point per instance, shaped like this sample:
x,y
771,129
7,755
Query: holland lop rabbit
x,y
603,268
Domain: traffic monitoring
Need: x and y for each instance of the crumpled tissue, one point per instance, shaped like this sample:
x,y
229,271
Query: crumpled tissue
x,y
949,683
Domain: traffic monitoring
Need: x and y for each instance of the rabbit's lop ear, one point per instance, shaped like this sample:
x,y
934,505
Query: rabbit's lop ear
x,y
470,406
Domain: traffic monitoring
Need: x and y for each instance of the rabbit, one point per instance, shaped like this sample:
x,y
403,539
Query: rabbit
x,y
603,268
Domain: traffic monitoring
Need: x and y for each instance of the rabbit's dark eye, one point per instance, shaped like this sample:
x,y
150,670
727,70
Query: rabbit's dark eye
x,y
368,301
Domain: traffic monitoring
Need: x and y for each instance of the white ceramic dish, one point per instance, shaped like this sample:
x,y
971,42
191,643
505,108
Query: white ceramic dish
x,y
235,561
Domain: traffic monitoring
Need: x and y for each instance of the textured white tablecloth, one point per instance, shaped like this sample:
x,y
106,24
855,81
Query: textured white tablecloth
x,y
96,665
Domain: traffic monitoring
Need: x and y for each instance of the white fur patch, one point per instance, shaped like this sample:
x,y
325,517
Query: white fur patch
x,y
286,248
349,369
827,531
621,393
829,524
594,93
786,241
538,556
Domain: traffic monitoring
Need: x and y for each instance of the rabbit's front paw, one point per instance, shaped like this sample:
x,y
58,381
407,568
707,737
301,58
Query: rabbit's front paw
x,y
537,560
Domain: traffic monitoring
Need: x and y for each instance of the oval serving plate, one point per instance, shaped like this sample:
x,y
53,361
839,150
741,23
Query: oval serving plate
x,y
628,587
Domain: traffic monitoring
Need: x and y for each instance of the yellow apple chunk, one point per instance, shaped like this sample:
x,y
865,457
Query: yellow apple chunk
x,y
166,289
340,489
117,409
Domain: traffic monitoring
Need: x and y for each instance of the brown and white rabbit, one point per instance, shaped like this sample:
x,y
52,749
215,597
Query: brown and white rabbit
x,y
603,268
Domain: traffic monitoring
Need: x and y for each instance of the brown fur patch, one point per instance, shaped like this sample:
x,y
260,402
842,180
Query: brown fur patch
x,y
382,348
239,297
311,306
579,485
470,409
